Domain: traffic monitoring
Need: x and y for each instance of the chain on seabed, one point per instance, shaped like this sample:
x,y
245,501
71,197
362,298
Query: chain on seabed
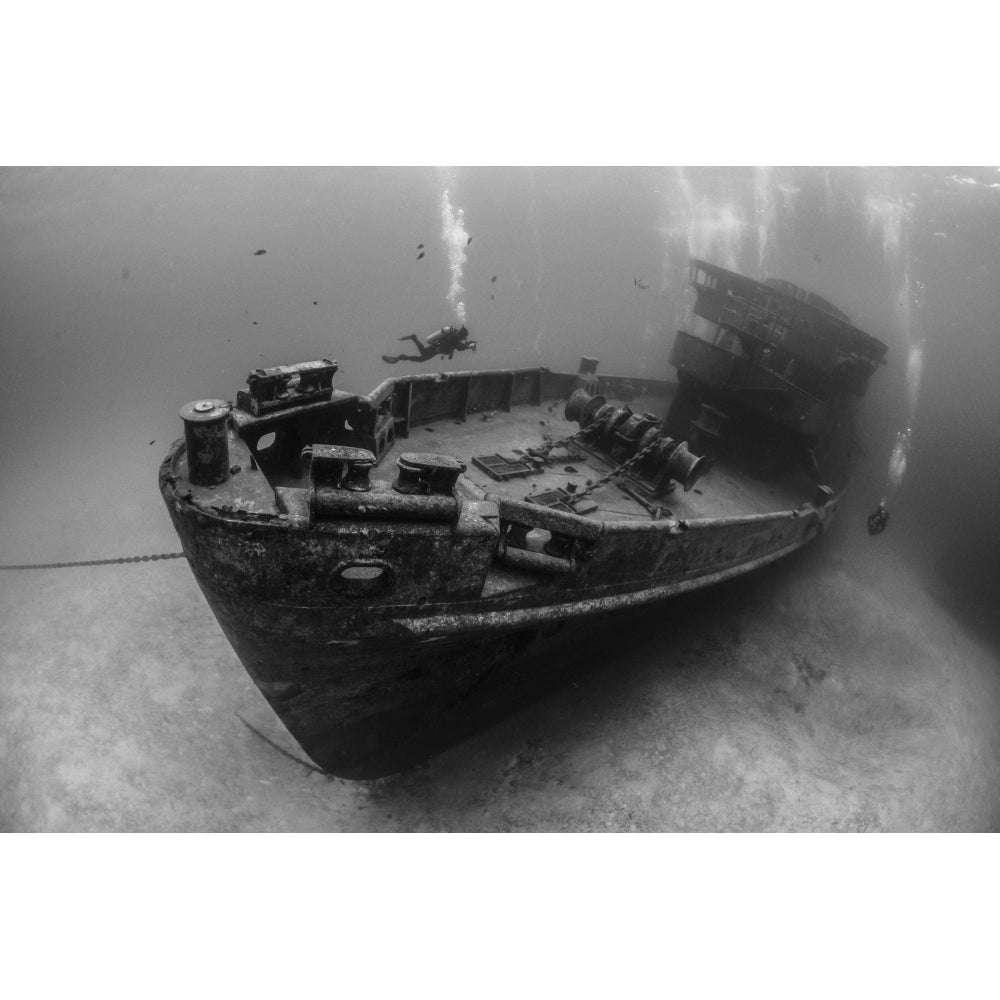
x,y
97,562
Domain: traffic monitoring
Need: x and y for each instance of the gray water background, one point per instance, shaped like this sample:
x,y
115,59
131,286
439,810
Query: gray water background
x,y
126,292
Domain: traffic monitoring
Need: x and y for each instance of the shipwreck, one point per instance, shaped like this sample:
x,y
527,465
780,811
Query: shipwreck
x,y
395,570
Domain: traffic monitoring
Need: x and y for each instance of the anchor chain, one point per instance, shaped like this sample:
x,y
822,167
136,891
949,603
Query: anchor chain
x,y
617,471
96,562
550,446
546,449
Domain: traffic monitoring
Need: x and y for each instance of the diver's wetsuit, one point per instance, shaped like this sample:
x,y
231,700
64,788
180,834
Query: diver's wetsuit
x,y
878,520
445,342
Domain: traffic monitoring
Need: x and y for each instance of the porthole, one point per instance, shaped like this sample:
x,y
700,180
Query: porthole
x,y
361,573
363,578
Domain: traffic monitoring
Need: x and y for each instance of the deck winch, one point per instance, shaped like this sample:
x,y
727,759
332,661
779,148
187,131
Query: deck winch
x,y
636,439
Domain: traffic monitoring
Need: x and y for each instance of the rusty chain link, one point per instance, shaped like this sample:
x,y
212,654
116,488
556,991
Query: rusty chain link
x,y
617,471
550,446
97,562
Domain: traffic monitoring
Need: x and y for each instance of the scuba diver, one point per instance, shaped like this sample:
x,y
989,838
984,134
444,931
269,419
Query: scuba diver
x,y
445,342
878,520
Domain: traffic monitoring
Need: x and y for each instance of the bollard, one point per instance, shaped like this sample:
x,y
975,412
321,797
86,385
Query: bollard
x,y
427,473
207,442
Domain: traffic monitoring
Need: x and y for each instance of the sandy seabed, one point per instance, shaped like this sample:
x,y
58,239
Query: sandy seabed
x,y
823,694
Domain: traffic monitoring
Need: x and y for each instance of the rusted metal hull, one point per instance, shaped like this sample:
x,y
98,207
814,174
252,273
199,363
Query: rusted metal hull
x,y
370,687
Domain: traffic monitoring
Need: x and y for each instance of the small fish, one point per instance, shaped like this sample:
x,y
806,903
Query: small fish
x,y
569,468
430,430
493,280
817,258
255,322
419,255
468,241
259,253
639,283
315,302
151,442
420,246
492,297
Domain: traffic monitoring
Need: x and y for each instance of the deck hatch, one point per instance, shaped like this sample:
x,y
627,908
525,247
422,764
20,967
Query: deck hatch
x,y
557,499
503,467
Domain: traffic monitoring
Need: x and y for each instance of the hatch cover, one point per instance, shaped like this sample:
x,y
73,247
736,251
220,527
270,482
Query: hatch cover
x,y
503,467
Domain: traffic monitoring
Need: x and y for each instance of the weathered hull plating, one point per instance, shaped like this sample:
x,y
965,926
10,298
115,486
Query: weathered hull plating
x,y
368,688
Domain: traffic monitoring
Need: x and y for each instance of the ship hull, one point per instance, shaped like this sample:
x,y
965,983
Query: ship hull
x,y
372,690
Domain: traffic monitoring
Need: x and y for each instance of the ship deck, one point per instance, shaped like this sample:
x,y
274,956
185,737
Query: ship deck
x,y
723,491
